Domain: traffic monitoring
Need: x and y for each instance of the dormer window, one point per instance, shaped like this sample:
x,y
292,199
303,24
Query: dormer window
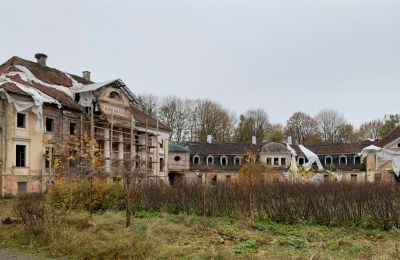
x,y
115,95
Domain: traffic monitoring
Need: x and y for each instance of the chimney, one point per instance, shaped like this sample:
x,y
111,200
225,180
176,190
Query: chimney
x,y
86,75
41,59
209,139
289,140
253,140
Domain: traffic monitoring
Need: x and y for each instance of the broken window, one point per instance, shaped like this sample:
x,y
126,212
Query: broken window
x,y
115,95
72,128
20,155
177,158
49,124
21,189
21,120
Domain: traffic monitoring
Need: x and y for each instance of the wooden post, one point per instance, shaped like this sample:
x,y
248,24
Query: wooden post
x,y
111,143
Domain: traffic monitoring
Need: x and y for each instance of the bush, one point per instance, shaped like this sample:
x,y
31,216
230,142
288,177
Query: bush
x,y
30,209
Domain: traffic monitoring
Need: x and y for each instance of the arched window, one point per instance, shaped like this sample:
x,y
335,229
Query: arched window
x,y
328,160
196,160
115,95
224,160
210,160
343,160
237,160
301,160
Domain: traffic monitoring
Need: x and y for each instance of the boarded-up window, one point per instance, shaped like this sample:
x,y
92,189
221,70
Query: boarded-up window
x,y
20,155
21,188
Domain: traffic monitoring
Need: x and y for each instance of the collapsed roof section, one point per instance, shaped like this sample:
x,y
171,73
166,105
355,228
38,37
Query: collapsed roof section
x,y
20,77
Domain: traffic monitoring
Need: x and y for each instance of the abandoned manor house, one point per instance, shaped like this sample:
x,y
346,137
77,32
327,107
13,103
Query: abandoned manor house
x,y
45,113
54,124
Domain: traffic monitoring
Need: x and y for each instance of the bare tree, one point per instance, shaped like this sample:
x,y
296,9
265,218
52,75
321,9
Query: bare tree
x,y
302,128
174,113
149,104
330,122
252,123
214,120
370,129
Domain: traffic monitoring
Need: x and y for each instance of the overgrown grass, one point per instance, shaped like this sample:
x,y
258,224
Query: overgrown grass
x,y
171,236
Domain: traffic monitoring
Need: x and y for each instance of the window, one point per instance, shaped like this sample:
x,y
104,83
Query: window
x,y
301,160
237,161
378,177
328,160
343,160
353,178
162,143
398,145
20,155
276,161
283,161
210,160
115,95
72,128
150,163
21,189
196,160
177,158
326,177
77,97
21,120
224,161
49,124
47,158
214,180
357,160
161,164
269,161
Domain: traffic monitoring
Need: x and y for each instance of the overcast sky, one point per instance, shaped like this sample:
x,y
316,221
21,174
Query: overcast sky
x,y
283,56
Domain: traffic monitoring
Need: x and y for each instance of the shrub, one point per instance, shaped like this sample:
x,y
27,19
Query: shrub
x,y
30,208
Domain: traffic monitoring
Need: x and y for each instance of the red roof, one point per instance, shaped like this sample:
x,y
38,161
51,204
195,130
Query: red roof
x,y
346,148
388,138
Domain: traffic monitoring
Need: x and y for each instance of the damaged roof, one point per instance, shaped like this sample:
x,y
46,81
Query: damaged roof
x,y
345,148
59,86
389,137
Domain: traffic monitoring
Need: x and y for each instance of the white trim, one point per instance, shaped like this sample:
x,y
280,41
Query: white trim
x,y
301,157
212,161
226,160
342,156
328,156
27,158
26,121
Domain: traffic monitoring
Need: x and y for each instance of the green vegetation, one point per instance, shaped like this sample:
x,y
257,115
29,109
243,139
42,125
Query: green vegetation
x,y
158,235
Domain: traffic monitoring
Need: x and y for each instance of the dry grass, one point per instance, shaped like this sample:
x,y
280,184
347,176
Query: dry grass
x,y
168,236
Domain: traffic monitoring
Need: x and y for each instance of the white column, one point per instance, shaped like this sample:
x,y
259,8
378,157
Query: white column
x,y
107,157
121,149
